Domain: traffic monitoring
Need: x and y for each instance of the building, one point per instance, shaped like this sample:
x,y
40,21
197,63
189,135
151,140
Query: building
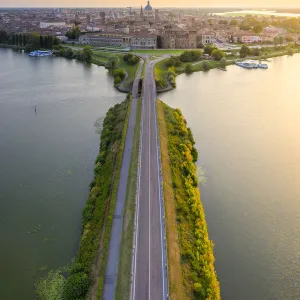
x,y
208,38
144,41
52,23
175,38
105,39
136,41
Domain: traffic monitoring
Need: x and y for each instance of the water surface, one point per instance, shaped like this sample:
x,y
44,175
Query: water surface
x,y
247,129
46,161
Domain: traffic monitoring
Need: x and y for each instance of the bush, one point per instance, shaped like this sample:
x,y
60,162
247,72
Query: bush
x,y
206,65
76,286
188,69
209,49
223,62
195,247
244,51
131,59
218,54
191,55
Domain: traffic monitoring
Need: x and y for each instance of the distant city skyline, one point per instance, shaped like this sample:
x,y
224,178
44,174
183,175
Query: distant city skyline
x,y
136,3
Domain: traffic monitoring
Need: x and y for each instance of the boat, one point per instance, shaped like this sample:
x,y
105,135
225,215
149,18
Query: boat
x,y
245,64
263,66
40,53
251,64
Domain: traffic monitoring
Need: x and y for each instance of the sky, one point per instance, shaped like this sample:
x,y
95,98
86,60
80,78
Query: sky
x,y
154,3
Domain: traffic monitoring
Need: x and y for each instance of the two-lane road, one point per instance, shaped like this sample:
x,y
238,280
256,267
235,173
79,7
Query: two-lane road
x,y
149,265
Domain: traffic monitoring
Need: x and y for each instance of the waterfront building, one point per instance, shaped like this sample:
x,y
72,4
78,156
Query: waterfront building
x,y
52,23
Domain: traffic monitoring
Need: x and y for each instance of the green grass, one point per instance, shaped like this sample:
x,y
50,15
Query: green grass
x,y
131,71
160,73
124,269
159,52
114,191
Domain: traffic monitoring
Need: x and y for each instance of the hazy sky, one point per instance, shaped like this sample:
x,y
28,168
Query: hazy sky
x,y
155,3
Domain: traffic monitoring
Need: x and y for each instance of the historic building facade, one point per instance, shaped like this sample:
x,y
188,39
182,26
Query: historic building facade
x,y
179,39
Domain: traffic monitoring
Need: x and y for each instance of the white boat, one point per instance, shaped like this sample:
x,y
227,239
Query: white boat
x,y
40,53
251,64
263,66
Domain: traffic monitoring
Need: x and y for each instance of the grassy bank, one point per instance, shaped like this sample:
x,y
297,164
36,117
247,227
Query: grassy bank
x,y
162,68
84,278
124,270
175,277
117,148
196,250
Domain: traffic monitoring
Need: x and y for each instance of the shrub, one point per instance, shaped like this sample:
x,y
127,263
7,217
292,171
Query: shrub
x,y
188,69
76,286
206,65
218,54
191,55
223,62
131,59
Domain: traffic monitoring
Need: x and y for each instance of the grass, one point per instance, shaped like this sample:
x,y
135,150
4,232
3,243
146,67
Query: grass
x,y
160,73
196,249
100,281
176,287
131,71
159,52
125,259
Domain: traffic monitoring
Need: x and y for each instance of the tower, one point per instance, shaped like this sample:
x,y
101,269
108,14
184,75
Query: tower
x,y
141,13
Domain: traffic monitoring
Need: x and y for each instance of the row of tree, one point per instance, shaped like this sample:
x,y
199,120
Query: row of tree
x,y
30,41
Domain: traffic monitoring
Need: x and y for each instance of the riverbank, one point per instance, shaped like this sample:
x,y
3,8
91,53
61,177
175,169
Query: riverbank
x,y
162,68
190,252
86,275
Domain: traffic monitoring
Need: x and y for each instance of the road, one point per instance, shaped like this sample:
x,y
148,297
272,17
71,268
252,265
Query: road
x,y
149,275
117,225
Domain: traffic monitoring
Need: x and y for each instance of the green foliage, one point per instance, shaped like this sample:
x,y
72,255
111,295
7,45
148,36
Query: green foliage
x,y
131,59
50,287
3,37
173,62
73,33
188,69
209,49
233,22
206,65
223,62
191,55
258,28
244,51
87,53
171,76
195,246
218,54
112,63
76,286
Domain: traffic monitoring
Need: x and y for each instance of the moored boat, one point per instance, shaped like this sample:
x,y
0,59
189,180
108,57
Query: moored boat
x,y
40,53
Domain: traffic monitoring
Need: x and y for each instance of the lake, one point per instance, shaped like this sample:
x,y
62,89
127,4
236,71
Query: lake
x,y
247,130
47,161
258,12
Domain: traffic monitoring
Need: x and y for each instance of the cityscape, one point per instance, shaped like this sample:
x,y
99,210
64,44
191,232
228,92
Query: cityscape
x,y
149,152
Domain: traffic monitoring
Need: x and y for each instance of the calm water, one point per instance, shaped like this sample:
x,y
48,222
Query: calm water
x,y
247,128
258,12
46,161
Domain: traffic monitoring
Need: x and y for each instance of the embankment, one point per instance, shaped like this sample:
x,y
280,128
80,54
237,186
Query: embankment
x,y
190,251
85,276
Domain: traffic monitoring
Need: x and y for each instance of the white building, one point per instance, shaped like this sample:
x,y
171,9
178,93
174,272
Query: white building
x,y
208,38
144,41
52,23
105,39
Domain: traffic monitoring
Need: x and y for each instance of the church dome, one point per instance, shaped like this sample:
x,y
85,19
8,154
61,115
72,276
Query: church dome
x,y
148,7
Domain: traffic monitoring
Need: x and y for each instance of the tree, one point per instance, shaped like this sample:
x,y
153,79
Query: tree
x,y
3,36
76,286
87,53
281,40
276,41
244,27
188,69
244,51
74,33
223,62
34,41
257,28
112,63
217,54
191,55
233,22
209,49
206,65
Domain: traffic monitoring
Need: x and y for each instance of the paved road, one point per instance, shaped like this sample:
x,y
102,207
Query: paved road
x,y
117,226
149,278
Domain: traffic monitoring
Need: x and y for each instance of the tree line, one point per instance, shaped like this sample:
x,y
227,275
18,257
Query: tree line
x,y
29,41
